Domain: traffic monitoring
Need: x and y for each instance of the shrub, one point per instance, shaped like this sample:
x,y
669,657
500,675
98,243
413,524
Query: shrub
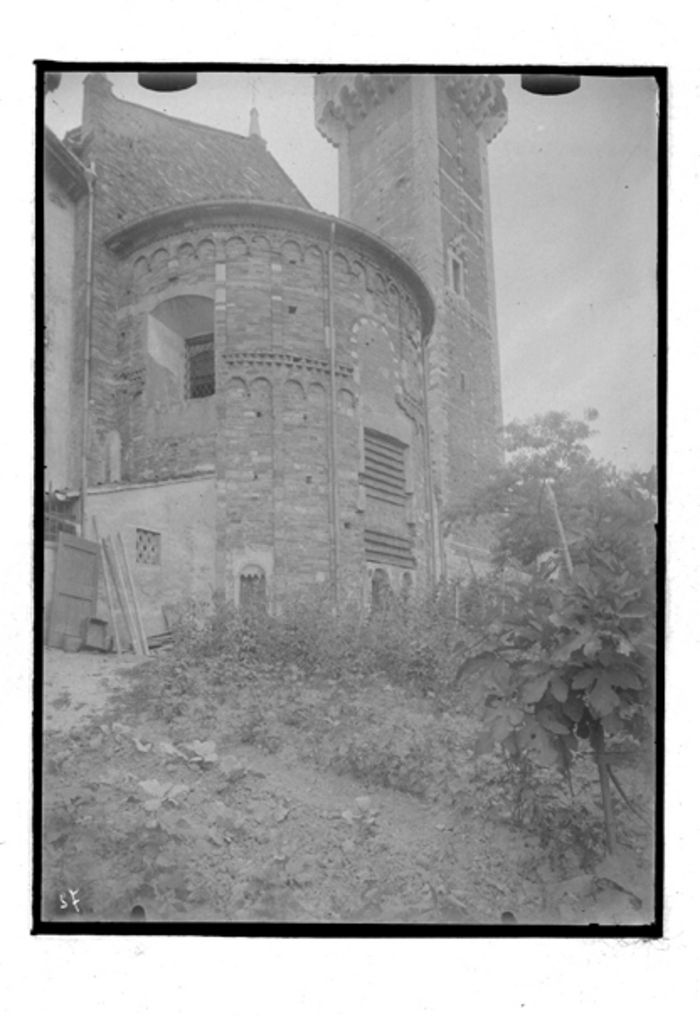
x,y
411,644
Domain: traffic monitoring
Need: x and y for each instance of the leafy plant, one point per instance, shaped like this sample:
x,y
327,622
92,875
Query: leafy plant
x,y
568,657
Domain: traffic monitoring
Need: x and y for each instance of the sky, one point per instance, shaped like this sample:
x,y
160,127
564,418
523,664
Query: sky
x,y
574,213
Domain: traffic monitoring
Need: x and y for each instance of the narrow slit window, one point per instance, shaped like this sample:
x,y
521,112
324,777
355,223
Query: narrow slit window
x,y
200,379
457,276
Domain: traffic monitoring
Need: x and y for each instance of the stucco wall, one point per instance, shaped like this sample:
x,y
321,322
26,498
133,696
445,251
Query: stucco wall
x,y
183,513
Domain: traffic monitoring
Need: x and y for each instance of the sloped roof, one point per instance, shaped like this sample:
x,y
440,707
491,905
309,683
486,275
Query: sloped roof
x,y
151,161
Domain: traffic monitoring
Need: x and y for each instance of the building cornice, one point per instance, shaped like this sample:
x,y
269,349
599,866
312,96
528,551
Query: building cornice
x,y
207,214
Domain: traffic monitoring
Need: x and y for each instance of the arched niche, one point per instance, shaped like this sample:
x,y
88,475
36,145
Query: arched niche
x,y
206,251
293,394
292,253
317,394
159,259
186,256
236,248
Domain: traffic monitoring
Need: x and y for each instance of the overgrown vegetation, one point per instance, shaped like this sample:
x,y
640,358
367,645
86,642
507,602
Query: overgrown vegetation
x,y
569,658
530,707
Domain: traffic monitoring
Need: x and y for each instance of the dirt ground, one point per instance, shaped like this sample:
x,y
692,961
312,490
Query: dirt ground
x,y
78,686
144,814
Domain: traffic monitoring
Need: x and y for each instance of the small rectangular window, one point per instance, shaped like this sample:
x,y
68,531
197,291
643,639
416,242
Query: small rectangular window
x,y
147,547
200,380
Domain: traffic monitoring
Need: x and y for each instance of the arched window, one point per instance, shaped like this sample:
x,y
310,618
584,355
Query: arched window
x,y
253,588
181,338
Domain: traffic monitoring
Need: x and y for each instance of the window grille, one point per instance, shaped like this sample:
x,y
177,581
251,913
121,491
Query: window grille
x,y
147,547
200,379
385,468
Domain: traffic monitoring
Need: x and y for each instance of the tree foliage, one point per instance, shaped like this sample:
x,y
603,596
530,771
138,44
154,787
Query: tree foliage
x,y
597,503
569,653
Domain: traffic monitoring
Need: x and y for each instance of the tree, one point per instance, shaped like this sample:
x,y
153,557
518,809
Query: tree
x,y
570,653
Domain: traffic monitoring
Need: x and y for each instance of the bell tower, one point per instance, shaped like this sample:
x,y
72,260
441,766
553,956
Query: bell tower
x,y
413,168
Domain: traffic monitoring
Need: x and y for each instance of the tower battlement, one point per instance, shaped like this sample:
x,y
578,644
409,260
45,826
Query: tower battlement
x,y
344,99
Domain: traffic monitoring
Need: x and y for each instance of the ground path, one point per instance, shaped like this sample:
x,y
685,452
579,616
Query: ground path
x,y
250,835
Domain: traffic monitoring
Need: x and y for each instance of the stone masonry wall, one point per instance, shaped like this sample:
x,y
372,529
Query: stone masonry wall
x,y
263,287
265,431
473,385
144,162
413,169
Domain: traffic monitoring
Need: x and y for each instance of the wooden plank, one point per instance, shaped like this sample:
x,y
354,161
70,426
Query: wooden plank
x,y
121,593
103,560
74,587
111,564
139,623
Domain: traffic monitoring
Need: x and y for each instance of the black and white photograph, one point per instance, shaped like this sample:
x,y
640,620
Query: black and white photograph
x,y
350,556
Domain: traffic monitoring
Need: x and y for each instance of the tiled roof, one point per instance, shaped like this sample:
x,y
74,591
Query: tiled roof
x,y
148,161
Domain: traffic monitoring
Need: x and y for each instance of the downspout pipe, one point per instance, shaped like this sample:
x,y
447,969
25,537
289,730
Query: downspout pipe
x,y
333,445
432,559
90,177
